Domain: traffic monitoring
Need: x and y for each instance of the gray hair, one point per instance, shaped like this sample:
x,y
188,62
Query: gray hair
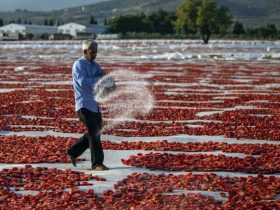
x,y
89,43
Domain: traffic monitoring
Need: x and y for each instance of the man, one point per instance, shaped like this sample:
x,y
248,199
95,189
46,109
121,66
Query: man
x,y
86,72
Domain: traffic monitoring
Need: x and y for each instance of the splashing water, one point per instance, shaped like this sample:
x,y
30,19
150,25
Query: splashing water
x,y
130,99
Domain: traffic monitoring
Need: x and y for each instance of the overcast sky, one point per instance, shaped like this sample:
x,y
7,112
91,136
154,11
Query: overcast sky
x,y
42,5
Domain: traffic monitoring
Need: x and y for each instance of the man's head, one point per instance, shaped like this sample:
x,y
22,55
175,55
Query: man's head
x,y
90,49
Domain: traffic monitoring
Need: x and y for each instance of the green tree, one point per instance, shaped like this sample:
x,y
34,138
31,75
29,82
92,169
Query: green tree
x,y
51,22
157,22
212,19
129,23
48,22
161,21
44,36
92,20
224,19
186,16
19,21
58,23
1,22
29,36
238,28
264,32
272,31
202,16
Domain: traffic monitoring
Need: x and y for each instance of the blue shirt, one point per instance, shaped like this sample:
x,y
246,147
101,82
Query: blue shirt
x,y
85,75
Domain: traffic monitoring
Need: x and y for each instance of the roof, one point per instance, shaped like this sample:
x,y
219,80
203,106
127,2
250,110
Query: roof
x,y
31,25
86,25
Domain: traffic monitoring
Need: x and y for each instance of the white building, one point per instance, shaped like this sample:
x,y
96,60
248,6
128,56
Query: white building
x,y
74,29
24,29
108,36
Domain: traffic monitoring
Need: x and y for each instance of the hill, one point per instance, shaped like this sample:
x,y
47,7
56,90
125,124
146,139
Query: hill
x,y
48,5
254,12
250,12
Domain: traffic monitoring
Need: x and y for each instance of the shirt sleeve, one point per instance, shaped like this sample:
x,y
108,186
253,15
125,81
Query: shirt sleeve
x,y
101,72
80,76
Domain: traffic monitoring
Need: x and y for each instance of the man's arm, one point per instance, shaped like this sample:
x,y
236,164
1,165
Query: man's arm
x,y
101,72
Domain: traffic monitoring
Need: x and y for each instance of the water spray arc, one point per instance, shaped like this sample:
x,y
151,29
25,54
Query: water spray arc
x,y
130,99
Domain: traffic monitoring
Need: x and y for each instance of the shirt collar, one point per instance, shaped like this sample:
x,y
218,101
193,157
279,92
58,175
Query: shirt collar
x,y
84,58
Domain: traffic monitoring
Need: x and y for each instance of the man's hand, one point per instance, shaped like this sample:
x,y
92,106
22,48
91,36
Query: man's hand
x,y
109,84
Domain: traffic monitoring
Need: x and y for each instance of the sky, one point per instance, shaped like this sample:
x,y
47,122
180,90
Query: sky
x,y
40,5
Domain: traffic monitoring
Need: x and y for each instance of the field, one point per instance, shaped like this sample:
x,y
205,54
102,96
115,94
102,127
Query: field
x,y
212,140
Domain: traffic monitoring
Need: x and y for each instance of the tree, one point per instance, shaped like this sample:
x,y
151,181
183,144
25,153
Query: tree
x,y
158,22
58,22
48,22
29,36
212,19
129,23
186,16
51,22
19,21
238,28
161,21
44,36
92,20
224,19
272,30
202,16
1,22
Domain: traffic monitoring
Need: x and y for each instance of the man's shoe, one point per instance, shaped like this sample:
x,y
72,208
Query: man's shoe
x,y
72,158
99,167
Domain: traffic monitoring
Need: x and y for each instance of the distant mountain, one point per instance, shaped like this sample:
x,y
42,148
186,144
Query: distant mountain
x,y
254,12
36,5
250,12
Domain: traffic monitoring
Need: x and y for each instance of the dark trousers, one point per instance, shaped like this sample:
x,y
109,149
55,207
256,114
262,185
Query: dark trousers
x,y
91,139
